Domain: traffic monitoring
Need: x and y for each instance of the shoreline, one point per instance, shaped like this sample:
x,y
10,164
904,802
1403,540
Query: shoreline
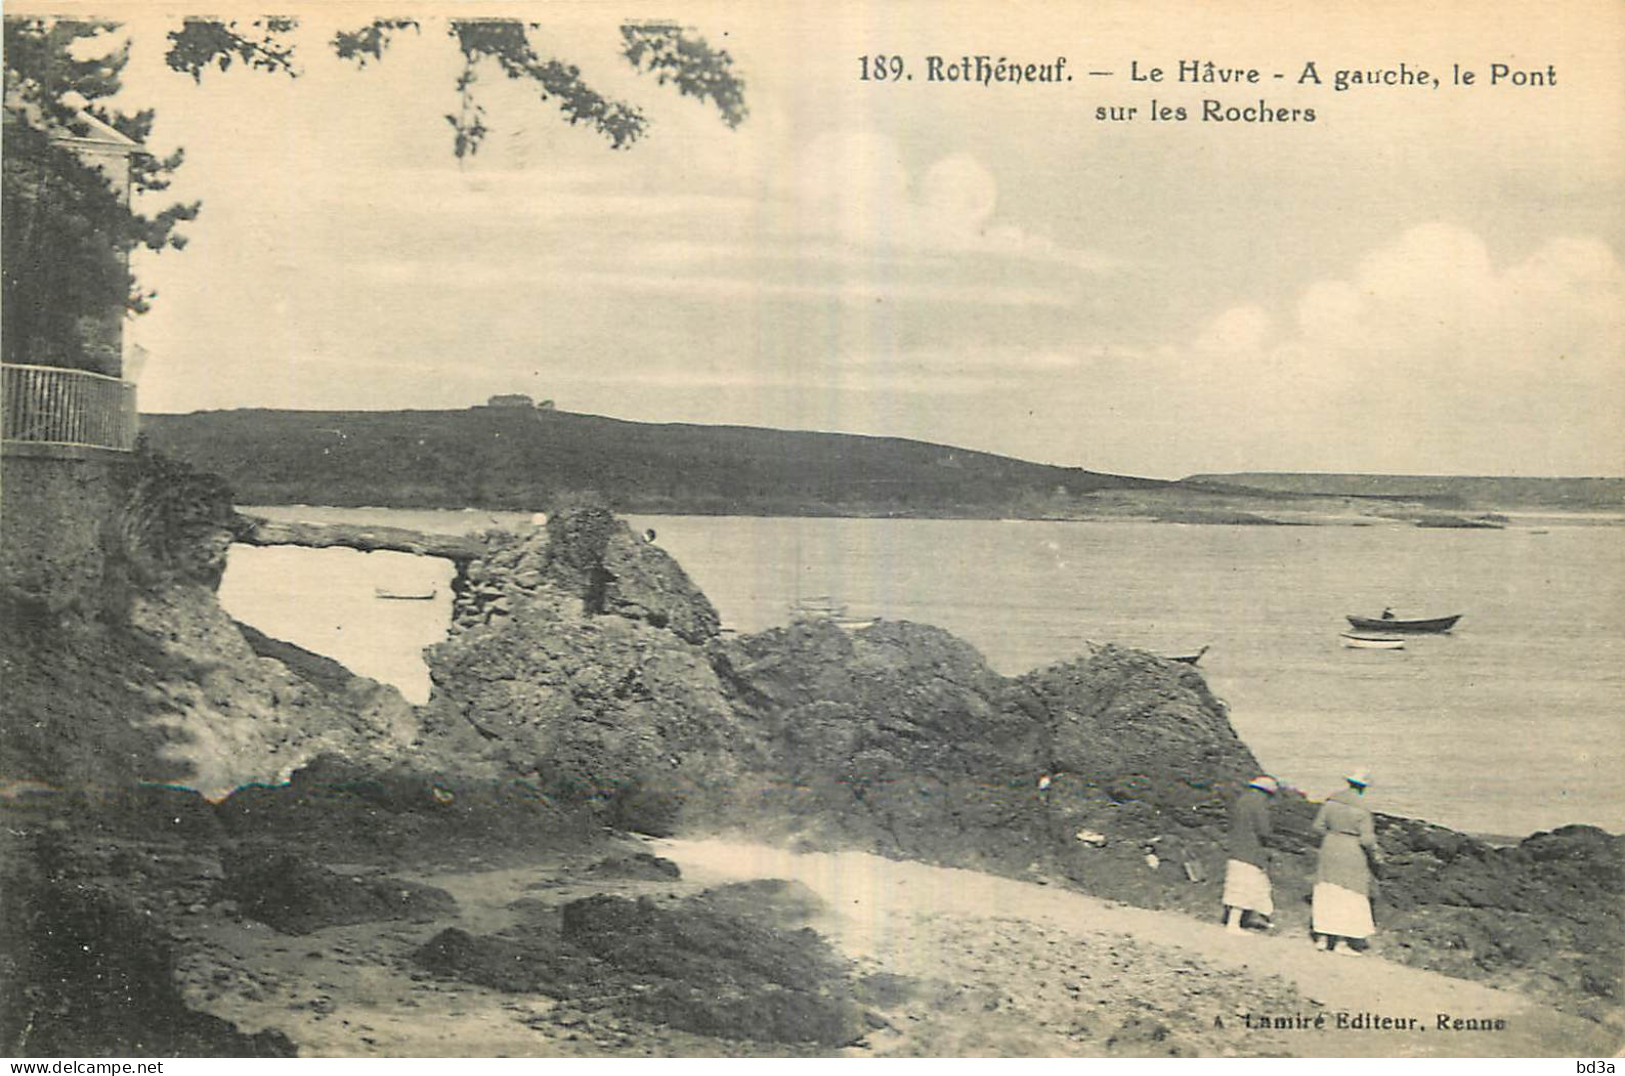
x,y
1518,520
1225,666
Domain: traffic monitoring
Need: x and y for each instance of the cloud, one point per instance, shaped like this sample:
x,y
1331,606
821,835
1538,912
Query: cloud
x,y
855,186
1430,355
851,226
1236,332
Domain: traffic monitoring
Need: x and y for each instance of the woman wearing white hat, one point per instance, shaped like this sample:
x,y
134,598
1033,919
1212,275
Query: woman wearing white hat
x,y
1342,897
1246,881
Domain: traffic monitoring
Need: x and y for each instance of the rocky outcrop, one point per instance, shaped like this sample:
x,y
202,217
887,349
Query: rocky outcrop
x,y
1540,913
86,971
686,964
366,810
600,709
174,524
586,684
152,681
574,661
174,693
586,661
588,555
296,895
900,738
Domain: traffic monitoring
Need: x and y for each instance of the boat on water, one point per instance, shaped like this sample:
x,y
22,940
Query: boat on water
x,y
1362,641
1390,623
1188,659
391,594
826,609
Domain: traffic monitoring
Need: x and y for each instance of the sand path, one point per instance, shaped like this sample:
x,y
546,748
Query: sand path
x,y
953,963
1027,944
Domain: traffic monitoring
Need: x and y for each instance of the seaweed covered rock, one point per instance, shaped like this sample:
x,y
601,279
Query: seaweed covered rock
x,y
638,866
900,738
773,901
297,895
689,965
1542,912
350,812
534,964
83,972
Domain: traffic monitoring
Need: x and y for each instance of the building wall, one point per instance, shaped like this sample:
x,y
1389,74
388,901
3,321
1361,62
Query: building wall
x,y
102,336
60,505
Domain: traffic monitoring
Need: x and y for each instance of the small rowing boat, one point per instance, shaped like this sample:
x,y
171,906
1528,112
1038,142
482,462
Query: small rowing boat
x,y
1390,623
1358,641
1188,659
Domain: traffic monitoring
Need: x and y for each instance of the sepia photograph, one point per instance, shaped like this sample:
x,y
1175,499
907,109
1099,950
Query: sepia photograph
x,y
589,530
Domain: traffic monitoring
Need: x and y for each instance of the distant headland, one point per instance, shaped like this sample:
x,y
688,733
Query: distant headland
x,y
513,455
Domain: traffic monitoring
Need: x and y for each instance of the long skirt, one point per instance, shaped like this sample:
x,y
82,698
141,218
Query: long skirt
x,y
1341,912
1248,887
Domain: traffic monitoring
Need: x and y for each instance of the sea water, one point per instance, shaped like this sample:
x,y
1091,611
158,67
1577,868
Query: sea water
x,y
1513,722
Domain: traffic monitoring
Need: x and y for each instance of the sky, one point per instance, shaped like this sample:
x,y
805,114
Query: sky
x,y
1420,281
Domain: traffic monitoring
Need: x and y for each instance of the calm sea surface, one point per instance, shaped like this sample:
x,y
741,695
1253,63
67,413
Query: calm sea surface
x,y
1514,722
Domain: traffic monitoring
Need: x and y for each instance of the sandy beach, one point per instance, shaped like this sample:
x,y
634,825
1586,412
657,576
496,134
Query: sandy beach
x,y
950,963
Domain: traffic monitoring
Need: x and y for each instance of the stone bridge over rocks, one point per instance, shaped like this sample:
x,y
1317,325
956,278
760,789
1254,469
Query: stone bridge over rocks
x,y
460,549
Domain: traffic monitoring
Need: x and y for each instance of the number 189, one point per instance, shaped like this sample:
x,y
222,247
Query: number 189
x,y
880,68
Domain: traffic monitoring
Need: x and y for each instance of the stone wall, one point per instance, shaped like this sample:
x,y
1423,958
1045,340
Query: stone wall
x,y
56,510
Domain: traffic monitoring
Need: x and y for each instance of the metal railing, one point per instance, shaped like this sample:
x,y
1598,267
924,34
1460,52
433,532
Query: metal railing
x,y
53,405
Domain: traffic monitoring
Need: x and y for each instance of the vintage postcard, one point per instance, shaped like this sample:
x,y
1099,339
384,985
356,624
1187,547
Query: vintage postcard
x,y
602,530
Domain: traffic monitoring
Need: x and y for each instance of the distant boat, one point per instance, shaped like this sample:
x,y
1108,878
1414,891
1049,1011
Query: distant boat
x,y
1372,642
826,609
390,594
1188,659
1433,625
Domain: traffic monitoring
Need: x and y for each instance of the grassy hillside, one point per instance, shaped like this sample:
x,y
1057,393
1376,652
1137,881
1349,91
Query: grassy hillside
x,y
1440,491
520,458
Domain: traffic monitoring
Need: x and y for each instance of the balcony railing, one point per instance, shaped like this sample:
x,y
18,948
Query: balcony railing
x,y
51,405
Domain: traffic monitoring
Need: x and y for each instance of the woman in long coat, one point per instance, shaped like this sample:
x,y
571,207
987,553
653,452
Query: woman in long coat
x,y
1342,897
1246,873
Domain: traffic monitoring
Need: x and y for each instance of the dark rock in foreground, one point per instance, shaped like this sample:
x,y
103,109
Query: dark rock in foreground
x,y
297,896
640,866
84,973
686,965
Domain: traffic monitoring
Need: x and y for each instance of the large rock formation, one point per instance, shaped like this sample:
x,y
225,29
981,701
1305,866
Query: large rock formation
x,y
587,554
1543,914
573,661
900,738
151,680
585,660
